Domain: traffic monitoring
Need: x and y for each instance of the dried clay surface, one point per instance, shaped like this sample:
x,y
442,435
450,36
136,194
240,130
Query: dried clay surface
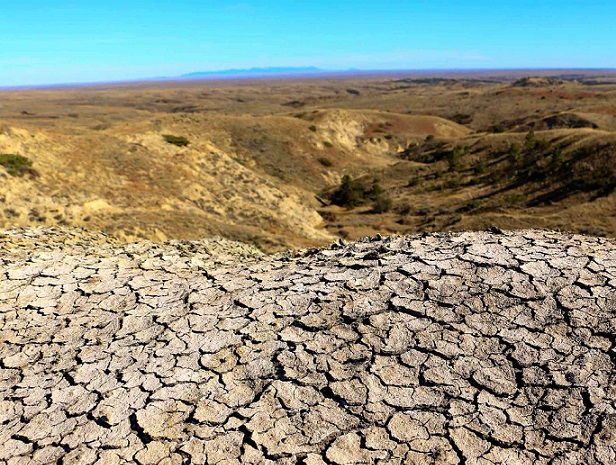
x,y
470,348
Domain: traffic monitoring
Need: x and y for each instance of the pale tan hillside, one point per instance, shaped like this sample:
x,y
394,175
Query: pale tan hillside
x,y
246,177
138,185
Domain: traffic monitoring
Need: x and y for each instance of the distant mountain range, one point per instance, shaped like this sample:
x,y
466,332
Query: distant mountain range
x,y
253,72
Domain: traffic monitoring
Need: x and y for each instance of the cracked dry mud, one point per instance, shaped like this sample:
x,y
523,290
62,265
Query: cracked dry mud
x,y
454,348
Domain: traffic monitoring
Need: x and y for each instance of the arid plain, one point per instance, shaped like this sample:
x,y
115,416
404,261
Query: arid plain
x,y
262,161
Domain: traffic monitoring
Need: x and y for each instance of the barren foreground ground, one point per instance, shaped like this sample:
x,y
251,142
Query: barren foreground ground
x,y
472,348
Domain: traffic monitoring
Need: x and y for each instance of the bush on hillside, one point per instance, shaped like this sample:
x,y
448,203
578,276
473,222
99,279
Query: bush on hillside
x,y
382,204
497,129
355,192
351,193
17,165
462,118
180,141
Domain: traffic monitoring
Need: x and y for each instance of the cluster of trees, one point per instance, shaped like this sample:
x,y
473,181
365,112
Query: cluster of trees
x,y
356,192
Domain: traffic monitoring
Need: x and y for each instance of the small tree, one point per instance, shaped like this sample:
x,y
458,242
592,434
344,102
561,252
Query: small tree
x,y
514,153
453,159
353,193
349,194
530,141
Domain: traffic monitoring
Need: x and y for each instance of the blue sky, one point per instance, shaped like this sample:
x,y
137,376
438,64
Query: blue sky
x,y
58,41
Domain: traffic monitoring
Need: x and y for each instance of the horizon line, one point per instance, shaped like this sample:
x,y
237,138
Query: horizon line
x,y
261,73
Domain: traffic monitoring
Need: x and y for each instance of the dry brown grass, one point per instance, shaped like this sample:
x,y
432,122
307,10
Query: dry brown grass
x,y
254,168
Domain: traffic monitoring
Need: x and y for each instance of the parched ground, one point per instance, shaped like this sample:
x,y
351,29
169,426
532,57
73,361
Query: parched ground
x,y
471,348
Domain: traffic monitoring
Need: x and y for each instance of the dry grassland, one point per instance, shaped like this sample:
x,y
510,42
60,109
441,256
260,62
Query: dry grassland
x,y
263,157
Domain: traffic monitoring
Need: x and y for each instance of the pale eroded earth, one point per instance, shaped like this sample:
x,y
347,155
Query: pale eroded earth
x,y
473,348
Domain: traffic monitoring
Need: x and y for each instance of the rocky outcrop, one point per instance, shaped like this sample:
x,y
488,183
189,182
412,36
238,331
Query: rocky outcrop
x,y
472,348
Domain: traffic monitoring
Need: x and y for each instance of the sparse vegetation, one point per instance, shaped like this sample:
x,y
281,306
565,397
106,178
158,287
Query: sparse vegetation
x,y
470,206
479,168
328,144
454,156
355,192
382,204
17,165
497,129
547,177
462,118
413,181
180,141
432,151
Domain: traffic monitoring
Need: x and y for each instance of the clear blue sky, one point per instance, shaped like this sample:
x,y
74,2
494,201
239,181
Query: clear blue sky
x,y
55,41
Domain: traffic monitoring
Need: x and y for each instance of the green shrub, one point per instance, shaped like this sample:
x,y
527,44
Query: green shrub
x,y
516,198
462,118
413,181
328,144
558,159
382,204
497,129
453,158
325,161
180,141
479,168
312,128
470,206
530,141
589,178
354,192
16,165
429,151
350,193
514,153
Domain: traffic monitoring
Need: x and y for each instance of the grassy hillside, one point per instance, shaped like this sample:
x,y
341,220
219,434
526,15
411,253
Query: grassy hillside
x,y
563,179
260,161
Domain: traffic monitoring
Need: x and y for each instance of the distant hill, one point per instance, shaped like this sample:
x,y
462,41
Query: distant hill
x,y
252,72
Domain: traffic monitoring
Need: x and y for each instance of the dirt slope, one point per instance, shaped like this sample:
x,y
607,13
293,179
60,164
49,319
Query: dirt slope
x,y
137,185
248,178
